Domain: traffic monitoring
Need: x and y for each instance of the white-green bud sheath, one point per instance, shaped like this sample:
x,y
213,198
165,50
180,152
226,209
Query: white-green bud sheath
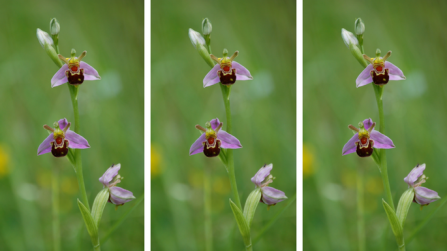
x,y
99,204
199,43
251,204
404,205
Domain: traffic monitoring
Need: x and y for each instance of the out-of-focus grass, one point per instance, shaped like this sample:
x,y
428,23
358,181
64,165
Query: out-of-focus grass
x,y
415,115
263,110
111,116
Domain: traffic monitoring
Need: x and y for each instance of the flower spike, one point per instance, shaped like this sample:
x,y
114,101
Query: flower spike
x,y
379,71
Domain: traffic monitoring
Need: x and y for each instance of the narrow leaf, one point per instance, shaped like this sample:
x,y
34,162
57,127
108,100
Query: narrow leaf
x,y
89,223
395,224
404,205
99,204
242,224
251,204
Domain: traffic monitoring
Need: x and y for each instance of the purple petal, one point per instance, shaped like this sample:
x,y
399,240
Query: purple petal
x,y
197,146
76,140
395,73
272,195
241,72
367,123
109,174
414,174
381,141
214,123
89,72
423,195
59,78
262,174
350,146
119,195
63,123
227,140
212,78
365,76
45,146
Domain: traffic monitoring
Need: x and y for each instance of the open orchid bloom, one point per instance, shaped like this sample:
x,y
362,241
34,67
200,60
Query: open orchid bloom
x,y
270,195
226,71
365,139
212,139
74,71
118,195
60,139
423,196
379,71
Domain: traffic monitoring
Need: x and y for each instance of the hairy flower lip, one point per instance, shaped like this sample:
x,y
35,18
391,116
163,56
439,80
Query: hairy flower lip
x,y
74,140
380,141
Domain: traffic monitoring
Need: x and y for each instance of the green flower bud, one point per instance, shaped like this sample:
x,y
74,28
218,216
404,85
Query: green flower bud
x,y
54,27
359,27
206,27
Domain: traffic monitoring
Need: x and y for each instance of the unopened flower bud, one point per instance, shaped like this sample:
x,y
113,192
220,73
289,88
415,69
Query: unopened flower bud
x,y
349,38
44,38
206,27
196,38
359,27
54,27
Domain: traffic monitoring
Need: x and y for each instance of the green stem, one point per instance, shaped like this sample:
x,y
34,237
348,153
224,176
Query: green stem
x,y
77,152
378,90
360,219
230,162
207,202
55,205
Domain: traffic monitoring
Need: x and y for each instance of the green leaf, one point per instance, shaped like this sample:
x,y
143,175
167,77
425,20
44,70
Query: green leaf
x,y
242,224
99,204
395,224
251,204
404,205
89,223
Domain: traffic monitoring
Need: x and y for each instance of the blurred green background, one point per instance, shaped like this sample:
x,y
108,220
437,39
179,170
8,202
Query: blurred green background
x,y
415,119
263,115
111,116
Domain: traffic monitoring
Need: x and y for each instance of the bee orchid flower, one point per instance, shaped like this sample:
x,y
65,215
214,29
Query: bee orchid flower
x,y
117,195
212,139
74,71
379,71
365,139
423,196
226,71
270,195
60,139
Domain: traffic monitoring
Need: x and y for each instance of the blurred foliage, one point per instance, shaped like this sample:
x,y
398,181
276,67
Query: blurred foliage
x,y
263,115
415,119
111,117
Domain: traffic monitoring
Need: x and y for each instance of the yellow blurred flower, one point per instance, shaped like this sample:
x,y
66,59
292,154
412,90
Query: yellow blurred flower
x,y
308,161
4,161
155,161
374,185
69,185
221,185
